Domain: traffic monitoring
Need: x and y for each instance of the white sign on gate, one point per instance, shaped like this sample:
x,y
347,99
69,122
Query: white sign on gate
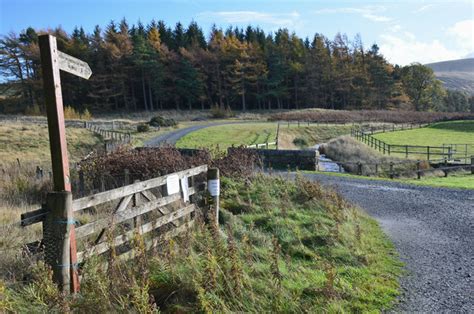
x,y
213,187
172,184
185,188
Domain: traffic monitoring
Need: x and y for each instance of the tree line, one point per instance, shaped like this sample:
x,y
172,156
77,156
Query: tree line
x,y
157,67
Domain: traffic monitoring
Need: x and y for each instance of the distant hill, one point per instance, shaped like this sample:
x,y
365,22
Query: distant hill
x,y
455,74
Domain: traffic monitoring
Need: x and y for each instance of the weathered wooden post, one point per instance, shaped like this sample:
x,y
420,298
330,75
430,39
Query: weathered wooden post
x,y
359,168
81,183
39,173
472,164
391,170
53,60
57,237
418,172
277,135
126,176
213,187
406,151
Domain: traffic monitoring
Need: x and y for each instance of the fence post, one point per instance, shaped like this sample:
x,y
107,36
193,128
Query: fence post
x,y
81,183
359,168
126,176
406,151
418,172
56,237
391,170
472,164
428,152
376,169
39,173
213,187
277,135
316,160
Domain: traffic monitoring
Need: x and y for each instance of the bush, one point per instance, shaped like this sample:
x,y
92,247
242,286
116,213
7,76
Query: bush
x,y
221,112
159,121
149,163
300,142
142,127
73,114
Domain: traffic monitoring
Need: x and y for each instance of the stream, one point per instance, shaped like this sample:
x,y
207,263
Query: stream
x,y
326,164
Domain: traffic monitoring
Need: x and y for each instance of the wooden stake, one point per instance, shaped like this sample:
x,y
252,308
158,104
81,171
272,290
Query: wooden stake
x,y
213,187
56,235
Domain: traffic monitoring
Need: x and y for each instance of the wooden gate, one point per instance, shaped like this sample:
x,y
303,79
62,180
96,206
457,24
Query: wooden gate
x,y
156,209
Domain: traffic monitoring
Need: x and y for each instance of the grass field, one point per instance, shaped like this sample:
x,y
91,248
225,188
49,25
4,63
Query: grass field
x,y
30,143
456,181
452,132
228,135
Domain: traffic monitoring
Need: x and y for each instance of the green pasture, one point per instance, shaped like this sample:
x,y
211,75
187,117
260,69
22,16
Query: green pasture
x,y
231,134
437,135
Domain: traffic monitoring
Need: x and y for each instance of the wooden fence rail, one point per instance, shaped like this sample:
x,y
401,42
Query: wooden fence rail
x,y
139,209
447,151
266,145
109,134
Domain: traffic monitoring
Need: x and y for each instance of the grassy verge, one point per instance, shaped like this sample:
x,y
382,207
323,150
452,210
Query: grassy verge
x,y
457,181
311,135
452,132
285,246
30,143
228,135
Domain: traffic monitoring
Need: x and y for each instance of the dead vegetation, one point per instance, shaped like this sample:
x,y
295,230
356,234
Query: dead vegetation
x,y
357,116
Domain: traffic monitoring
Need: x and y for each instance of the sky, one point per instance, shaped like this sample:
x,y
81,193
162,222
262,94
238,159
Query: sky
x,y
406,30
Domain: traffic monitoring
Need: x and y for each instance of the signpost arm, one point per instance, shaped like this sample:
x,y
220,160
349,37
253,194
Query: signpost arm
x,y
57,135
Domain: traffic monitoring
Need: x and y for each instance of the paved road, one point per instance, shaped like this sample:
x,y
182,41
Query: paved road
x,y
433,231
173,136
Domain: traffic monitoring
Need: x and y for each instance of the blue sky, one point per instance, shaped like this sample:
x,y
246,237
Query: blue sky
x,y
406,31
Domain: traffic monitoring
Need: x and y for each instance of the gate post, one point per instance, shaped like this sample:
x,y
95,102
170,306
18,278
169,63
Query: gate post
x,y
56,236
472,164
213,187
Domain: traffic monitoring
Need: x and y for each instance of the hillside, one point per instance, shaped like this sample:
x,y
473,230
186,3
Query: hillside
x,y
456,74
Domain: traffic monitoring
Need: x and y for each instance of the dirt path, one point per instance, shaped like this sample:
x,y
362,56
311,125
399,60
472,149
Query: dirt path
x,y
433,231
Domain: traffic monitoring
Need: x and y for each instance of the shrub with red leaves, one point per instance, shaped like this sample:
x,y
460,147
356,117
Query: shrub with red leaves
x,y
147,163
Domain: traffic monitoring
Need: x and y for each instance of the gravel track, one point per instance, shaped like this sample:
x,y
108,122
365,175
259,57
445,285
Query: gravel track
x,y
433,231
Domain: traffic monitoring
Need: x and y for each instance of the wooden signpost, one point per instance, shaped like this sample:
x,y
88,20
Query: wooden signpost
x,y
52,60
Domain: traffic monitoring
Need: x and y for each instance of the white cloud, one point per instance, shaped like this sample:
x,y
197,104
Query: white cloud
x,y
395,28
463,34
404,49
280,20
424,8
368,12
